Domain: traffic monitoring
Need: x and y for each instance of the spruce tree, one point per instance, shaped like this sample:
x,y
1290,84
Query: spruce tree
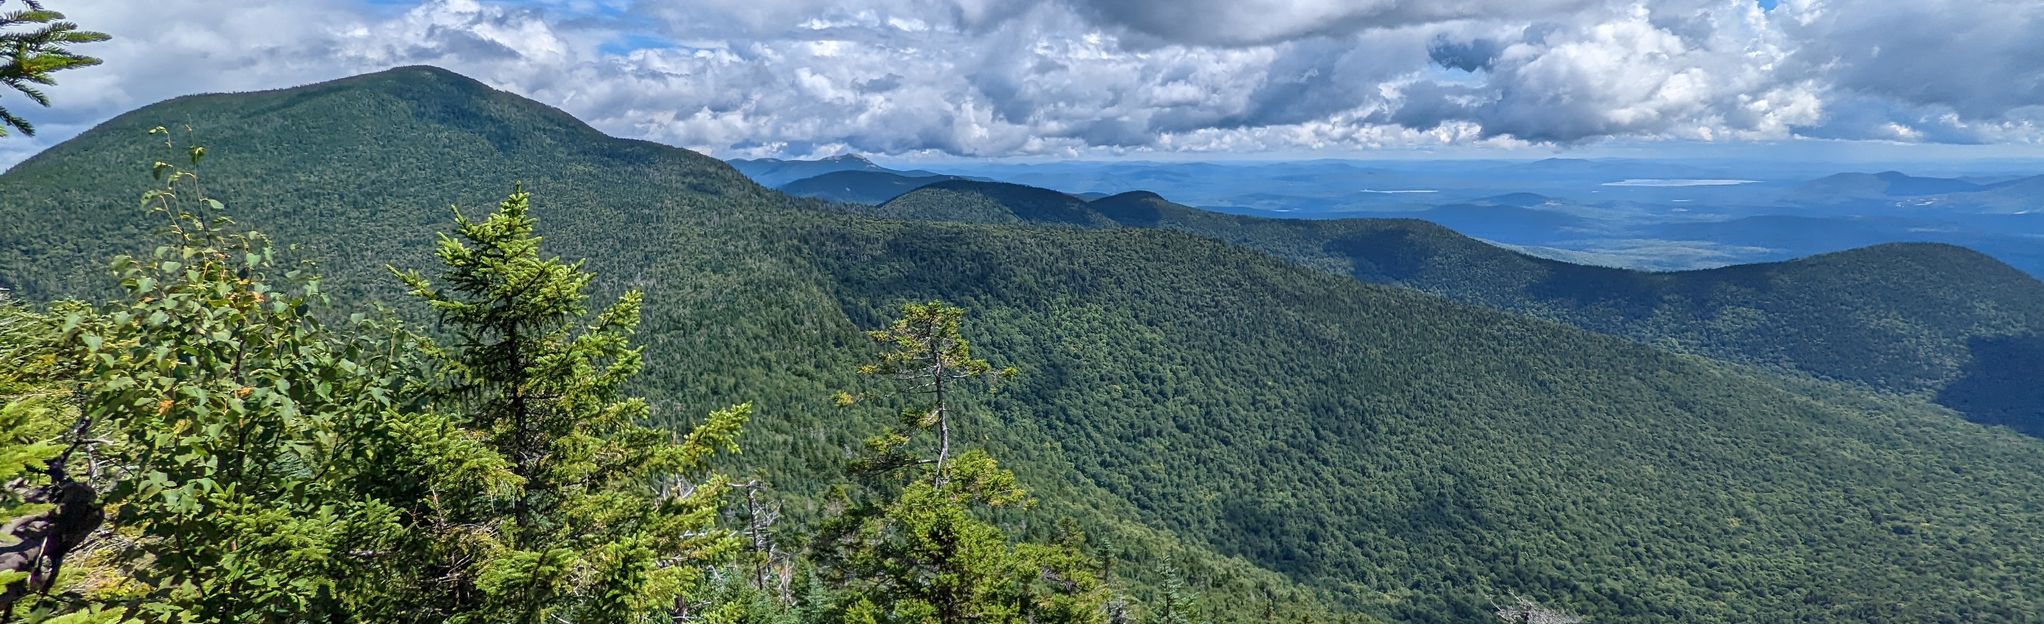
x,y
920,551
1176,603
34,43
612,520
257,463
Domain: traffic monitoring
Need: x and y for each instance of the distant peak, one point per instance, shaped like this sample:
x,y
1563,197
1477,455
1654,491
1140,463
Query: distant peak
x,y
848,158
429,69
1517,199
963,184
410,75
426,71
1135,196
999,188
1944,255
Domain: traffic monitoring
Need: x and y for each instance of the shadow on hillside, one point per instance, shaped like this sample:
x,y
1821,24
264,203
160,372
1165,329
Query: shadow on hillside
x,y
2002,385
1379,256
1135,214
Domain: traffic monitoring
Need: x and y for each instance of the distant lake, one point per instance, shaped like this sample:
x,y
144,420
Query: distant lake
x,y
1678,183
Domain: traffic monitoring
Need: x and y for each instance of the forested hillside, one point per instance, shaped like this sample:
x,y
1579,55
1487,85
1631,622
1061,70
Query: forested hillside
x,y
862,187
776,172
1915,318
1293,443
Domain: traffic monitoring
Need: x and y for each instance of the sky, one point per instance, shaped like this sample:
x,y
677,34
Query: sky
x,y
1137,79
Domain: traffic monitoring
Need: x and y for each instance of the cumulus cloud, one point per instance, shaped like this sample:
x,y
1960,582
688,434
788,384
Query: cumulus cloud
x,y
1257,22
1941,70
1703,71
1091,77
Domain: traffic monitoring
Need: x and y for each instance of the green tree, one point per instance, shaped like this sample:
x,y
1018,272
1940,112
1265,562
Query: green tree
x,y
34,43
259,464
268,468
1175,603
924,555
612,520
926,357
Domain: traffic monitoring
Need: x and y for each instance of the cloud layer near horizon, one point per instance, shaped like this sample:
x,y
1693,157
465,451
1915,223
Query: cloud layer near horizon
x,y
1089,77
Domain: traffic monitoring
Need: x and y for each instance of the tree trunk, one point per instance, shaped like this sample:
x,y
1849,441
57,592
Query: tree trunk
x,y
45,539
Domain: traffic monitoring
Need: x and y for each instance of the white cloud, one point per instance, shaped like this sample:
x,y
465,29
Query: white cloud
x,y
1067,77
1259,22
1706,70
1948,70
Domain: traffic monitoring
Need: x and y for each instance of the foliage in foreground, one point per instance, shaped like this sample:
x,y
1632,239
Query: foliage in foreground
x,y
259,465
256,463
605,520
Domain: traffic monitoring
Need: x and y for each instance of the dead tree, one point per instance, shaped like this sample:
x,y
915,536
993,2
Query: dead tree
x,y
43,540
760,516
1523,610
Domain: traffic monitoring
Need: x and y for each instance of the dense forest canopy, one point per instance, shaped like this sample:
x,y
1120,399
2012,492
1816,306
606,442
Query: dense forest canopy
x,y
1929,319
1199,426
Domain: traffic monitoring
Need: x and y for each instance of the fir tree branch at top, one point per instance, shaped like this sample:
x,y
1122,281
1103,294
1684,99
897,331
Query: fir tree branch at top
x,y
35,43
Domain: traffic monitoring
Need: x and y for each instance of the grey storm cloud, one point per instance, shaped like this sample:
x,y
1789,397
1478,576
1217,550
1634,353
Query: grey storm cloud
x,y
1981,60
1077,77
1469,56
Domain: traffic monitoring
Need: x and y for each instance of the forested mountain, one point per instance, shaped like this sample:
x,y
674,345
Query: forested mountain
x,y
971,201
1915,318
860,187
776,172
1851,186
1298,443
1895,193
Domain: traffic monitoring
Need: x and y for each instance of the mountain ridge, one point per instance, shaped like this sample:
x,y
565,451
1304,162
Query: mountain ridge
x,y
859,187
1923,312
1296,441
777,172
1841,186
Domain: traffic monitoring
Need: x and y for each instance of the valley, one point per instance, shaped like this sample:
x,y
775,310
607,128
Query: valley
x,y
1334,419
1610,212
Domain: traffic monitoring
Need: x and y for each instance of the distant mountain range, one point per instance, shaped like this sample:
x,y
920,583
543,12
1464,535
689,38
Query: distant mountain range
x,y
1345,420
1676,307
844,178
1622,213
1896,191
1885,184
1904,317
861,186
775,172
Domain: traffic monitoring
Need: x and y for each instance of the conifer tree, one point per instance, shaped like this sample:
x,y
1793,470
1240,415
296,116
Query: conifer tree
x,y
922,554
265,467
1176,604
34,43
612,521
259,465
